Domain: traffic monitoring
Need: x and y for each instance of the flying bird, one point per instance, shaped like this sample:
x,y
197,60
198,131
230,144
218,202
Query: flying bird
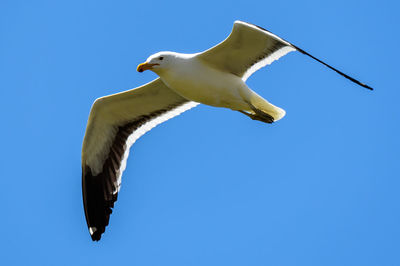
x,y
214,77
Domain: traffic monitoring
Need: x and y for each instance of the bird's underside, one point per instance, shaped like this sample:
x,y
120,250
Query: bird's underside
x,y
117,121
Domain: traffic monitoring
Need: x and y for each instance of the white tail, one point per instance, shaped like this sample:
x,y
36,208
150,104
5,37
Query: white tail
x,y
263,105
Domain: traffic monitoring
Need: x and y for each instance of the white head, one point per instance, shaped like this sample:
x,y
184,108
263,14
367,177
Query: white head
x,y
158,62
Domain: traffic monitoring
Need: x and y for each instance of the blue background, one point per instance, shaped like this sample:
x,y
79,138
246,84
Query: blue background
x,y
210,187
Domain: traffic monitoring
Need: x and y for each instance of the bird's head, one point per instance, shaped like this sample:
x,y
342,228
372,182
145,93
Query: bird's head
x,y
157,62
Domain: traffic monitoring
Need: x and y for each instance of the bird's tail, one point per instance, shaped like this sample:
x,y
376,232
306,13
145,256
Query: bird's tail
x,y
262,107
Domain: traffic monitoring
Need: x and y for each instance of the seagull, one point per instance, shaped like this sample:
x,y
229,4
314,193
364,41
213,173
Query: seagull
x,y
214,77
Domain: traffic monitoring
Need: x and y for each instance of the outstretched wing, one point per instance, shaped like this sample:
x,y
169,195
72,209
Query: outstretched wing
x,y
247,49
115,123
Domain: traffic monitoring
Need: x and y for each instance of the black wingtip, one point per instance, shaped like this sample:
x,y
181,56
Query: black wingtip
x,y
97,208
334,69
96,236
368,87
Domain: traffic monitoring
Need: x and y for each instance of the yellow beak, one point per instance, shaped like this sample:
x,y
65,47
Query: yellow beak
x,y
145,66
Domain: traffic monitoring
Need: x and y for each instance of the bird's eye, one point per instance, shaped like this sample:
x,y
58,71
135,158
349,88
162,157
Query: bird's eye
x,y
161,58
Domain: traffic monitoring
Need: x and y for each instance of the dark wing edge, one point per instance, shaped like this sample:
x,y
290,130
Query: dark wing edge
x,y
101,191
318,60
277,48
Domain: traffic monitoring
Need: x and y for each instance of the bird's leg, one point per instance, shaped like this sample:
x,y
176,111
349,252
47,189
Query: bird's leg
x,y
258,117
262,115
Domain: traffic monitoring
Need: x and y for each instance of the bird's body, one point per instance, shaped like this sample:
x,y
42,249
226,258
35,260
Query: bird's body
x,y
195,81
215,77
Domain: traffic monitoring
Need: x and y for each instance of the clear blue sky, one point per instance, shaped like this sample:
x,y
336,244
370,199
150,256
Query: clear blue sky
x,y
210,187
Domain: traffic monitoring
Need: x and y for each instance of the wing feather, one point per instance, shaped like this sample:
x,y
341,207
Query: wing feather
x,y
115,123
250,47
247,49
